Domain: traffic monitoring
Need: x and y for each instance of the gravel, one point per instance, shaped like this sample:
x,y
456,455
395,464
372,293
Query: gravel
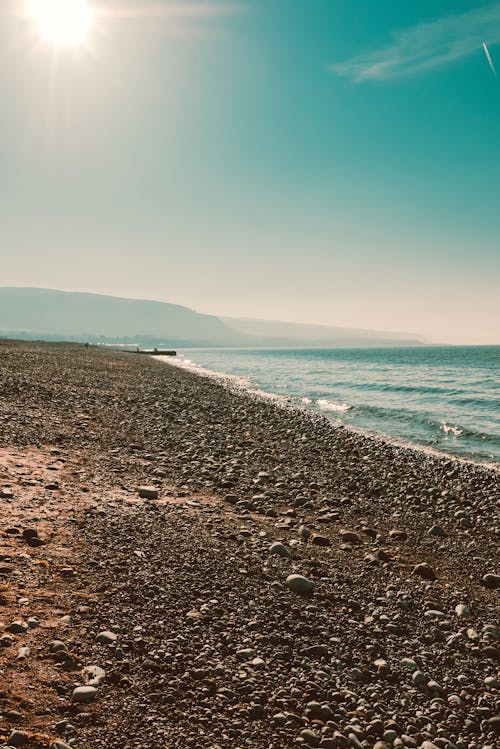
x,y
193,630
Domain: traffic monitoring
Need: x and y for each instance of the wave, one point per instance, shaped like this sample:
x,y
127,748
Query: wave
x,y
326,405
447,429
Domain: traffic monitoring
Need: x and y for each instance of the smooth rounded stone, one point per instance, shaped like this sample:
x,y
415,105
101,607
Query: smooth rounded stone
x,y
23,653
56,646
409,663
389,736
276,586
316,651
58,744
381,745
16,628
494,724
491,581
438,531
84,695
428,745
18,738
462,611
299,584
314,708
354,741
148,492
245,654
106,637
328,744
418,678
33,622
349,537
492,682
398,535
280,550
434,614
6,493
425,571
319,540
310,737
280,719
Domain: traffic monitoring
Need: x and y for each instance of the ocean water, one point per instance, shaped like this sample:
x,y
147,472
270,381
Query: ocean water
x,y
447,398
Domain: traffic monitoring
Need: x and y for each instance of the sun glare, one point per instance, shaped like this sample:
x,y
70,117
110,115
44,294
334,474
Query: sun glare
x,y
64,23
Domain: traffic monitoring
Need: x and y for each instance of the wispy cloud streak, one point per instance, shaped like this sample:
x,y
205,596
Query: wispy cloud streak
x,y
426,46
488,57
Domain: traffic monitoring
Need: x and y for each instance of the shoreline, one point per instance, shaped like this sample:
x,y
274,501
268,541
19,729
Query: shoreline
x,y
178,612
236,384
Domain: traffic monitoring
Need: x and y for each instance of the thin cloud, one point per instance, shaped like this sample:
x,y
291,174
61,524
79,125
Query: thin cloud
x,y
488,57
425,46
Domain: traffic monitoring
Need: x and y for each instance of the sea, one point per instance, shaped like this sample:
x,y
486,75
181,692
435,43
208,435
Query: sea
x,y
446,398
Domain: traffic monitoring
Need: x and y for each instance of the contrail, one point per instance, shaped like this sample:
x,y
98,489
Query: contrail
x,y
488,57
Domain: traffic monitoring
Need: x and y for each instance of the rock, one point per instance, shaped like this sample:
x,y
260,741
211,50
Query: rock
x,y
280,550
299,584
106,637
318,540
309,737
56,646
58,744
16,628
93,676
494,724
398,535
148,492
462,611
6,493
18,738
424,571
316,651
438,531
348,537
491,581
84,695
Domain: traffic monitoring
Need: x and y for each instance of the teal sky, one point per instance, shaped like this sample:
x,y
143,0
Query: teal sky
x,y
328,161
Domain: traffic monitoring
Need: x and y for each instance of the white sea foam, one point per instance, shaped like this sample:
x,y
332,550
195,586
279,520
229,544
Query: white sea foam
x,y
306,401
447,429
326,405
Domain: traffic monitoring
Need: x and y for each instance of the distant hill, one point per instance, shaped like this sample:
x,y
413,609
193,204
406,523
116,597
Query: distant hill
x,y
295,334
73,316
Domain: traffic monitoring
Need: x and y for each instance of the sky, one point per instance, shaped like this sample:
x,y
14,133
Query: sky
x,y
303,160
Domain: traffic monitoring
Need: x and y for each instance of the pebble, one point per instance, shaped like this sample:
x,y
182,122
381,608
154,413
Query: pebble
x,y
280,550
106,637
319,540
491,581
299,584
148,492
84,695
18,738
438,531
424,571
349,537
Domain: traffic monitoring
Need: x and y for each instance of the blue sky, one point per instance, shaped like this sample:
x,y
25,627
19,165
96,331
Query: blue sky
x,y
306,160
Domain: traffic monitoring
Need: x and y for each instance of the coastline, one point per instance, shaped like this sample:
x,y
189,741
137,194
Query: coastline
x,y
239,383
209,646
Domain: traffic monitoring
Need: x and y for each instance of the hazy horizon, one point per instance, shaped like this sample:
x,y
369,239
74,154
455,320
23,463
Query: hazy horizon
x,y
335,166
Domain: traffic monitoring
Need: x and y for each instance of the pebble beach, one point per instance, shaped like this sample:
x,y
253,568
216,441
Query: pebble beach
x,y
187,566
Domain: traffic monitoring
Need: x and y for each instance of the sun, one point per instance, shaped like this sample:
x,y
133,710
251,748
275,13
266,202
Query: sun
x,y
63,23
